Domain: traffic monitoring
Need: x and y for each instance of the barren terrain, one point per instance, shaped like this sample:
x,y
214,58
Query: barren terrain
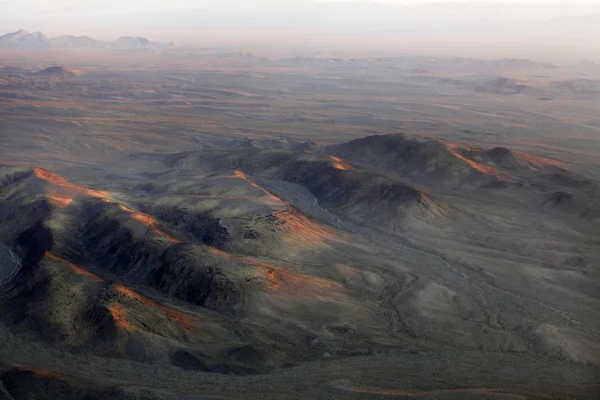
x,y
194,224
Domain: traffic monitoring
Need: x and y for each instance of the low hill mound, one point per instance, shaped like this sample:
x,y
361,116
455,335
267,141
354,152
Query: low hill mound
x,y
417,158
59,72
103,277
365,197
435,162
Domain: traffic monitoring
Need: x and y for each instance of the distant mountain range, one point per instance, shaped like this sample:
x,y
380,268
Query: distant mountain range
x,y
37,40
421,63
416,64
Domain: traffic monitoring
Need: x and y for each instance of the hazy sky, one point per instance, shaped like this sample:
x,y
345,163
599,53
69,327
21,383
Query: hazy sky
x,y
27,9
570,29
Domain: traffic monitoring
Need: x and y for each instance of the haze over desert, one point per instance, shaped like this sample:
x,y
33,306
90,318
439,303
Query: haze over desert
x,y
329,200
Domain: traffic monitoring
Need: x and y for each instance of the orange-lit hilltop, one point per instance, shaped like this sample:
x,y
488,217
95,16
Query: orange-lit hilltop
x,y
185,321
119,315
149,221
283,281
484,169
530,161
340,164
74,267
61,194
118,311
298,229
239,174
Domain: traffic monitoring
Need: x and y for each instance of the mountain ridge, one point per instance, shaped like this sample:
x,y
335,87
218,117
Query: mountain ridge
x,y
22,39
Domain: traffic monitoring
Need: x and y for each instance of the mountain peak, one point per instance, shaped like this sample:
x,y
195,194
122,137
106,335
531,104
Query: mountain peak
x,y
18,34
24,39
